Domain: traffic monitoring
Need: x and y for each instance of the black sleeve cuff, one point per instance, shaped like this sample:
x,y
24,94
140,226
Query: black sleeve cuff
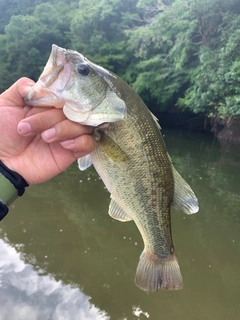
x,y
11,186
3,210
18,181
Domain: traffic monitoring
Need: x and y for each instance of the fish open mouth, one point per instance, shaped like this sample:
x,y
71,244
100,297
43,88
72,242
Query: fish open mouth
x,y
54,66
52,82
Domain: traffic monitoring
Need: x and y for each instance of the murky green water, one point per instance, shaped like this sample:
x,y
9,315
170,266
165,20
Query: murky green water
x,y
63,257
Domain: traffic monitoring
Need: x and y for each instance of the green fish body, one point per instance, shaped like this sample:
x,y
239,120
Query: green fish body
x,y
130,157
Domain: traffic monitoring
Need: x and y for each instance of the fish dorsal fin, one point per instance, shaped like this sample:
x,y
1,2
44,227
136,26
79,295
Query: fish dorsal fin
x,y
84,162
184,198
156,120
116,212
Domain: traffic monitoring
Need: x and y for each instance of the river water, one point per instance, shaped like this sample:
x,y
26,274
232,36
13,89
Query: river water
x,y
62,257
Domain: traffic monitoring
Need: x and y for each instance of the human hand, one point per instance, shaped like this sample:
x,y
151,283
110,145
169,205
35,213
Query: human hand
x,y
38,143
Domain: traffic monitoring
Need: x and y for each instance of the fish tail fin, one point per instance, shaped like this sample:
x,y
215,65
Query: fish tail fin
x,y
155,273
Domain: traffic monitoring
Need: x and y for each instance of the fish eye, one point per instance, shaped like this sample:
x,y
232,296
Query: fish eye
x,y
83,69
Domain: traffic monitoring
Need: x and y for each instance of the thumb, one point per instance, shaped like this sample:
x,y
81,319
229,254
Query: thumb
x,y
15,94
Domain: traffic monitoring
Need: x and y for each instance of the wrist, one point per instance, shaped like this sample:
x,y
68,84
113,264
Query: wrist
x,y
9,164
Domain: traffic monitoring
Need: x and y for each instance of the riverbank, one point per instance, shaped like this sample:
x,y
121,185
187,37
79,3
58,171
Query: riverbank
x,y
225,131
230,131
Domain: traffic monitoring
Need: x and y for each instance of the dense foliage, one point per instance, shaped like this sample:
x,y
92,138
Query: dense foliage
x,y
181,54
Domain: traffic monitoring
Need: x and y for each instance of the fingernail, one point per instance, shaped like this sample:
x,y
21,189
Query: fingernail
x,y
49,134
24,128
67,143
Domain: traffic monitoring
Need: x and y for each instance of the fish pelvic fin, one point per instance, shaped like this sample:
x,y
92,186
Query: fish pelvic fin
x,y
116,212
155,273
84,162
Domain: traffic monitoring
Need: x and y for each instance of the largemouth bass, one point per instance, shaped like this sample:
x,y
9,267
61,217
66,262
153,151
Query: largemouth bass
x,y
130,157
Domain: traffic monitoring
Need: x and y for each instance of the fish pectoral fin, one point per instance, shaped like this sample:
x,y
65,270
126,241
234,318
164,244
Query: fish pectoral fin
x,y
155,273
184,198
111,148
116,212
84,162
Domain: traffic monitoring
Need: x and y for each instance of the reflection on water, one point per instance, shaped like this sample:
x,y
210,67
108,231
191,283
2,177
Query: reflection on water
x,y
29,295
63,257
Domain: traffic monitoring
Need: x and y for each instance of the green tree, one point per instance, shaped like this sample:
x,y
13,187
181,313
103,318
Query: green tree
x,y
15,7
98,30
165,48
27,41
214,87
190,56
177,54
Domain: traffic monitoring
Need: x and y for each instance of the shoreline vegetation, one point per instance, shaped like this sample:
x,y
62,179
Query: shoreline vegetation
x,y
225,131
181,56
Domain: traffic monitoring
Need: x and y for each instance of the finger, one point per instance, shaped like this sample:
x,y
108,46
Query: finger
x,y
15,94
40,122
35,110
65,130
80,146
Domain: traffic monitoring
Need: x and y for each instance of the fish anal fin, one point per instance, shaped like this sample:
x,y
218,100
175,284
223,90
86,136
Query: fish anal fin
x,y
116,212
155,273
184,198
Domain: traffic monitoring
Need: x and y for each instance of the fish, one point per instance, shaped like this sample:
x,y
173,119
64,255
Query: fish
x,y
130,157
